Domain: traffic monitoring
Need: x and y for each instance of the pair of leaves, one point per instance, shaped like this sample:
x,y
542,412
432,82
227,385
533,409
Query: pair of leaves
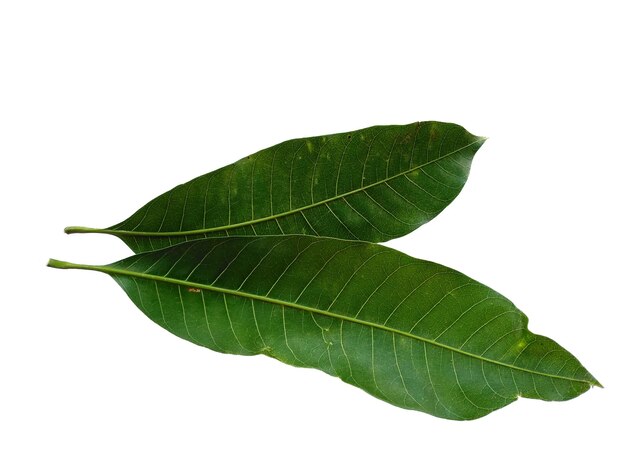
x,y
241,261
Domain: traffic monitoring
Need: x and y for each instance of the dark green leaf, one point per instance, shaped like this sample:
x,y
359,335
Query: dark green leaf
x,y
374,184
411,332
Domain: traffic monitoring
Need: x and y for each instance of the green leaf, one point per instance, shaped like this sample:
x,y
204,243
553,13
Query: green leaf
x,y
413,333
373,184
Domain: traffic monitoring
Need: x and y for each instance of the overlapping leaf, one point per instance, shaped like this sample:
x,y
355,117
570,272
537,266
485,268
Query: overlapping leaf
x,y
373,184
411,332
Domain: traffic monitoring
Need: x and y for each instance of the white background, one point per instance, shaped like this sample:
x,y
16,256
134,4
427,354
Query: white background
x,y
104,105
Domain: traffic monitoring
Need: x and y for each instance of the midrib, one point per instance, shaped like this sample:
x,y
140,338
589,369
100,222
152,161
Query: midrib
x,y
116,271
269,217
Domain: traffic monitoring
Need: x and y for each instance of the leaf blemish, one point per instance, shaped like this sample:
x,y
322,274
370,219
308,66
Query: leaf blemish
x,y
194,290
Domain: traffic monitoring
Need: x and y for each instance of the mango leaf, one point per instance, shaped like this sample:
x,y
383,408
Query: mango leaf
x,y
413,333
373,184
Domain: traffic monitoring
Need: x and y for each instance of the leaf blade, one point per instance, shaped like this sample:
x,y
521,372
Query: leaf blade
x,y
373,184
413,333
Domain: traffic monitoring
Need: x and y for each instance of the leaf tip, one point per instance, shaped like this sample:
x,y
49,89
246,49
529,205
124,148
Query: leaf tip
x,y
480,140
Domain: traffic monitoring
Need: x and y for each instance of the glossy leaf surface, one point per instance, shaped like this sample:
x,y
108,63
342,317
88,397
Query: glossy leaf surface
x,y
413,333
373,184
